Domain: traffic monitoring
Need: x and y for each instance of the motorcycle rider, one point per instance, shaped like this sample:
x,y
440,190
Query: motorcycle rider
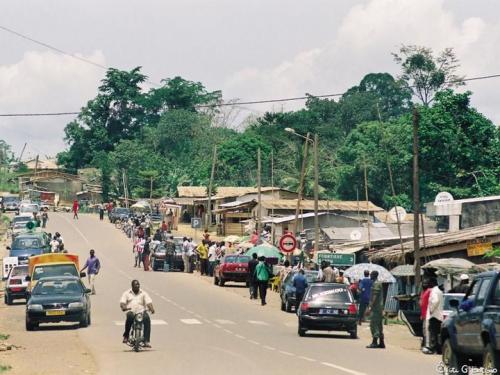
x,y
136,301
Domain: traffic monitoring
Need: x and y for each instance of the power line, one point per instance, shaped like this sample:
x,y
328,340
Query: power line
x,y
239,104
58,50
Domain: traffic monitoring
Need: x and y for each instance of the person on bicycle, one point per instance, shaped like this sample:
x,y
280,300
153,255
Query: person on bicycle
x,y
136,301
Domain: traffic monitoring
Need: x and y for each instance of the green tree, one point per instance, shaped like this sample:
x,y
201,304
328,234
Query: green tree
x,y
102,161
427,74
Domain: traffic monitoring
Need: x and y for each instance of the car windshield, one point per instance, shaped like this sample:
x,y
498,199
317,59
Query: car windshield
x,y
328,293
51,270
21,219
19,271
448,297
237,259
311,276
26,243
51,287
10,200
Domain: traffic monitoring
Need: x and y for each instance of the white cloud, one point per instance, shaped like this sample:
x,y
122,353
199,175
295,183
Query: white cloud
x,y
44,82
363,43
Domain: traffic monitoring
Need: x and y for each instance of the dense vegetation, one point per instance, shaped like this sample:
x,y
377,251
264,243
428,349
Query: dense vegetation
x,y
164,137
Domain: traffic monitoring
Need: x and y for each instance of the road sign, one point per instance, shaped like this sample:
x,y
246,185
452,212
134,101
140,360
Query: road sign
x,y
337,259
288,243
396,212
443,198
196,223
355,235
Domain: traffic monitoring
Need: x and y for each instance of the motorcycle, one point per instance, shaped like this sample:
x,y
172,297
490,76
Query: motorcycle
x,y
136,338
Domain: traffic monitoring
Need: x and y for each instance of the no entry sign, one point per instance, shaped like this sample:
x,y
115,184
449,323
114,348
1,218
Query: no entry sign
x,y
288,243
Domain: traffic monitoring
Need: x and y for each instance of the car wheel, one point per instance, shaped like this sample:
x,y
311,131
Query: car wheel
x,y
221,281
84,322
216,280
354,333
89,320
30,326
8,299
301,331
453,362
282,305
288,305
491,359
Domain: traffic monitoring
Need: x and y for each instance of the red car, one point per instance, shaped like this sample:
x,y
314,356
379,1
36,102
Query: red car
x,y
232,268
16,284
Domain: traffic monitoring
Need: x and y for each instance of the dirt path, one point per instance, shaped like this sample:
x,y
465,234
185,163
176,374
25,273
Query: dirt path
x,y
51,350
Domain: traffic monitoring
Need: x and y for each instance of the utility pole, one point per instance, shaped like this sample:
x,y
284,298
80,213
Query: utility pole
x,y
396,209
209,208
301,184
367,206
416,201
316,194
259,196
273,229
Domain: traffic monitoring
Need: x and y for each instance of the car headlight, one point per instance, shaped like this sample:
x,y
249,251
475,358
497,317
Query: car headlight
x,y
75,305
138,317
35,307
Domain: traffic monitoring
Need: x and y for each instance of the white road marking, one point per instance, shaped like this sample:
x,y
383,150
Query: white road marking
x,y
268,347
228,331
190,321
285,353
240,337
224,321
253,342
217,326
154,322
258,322
342,368
306,358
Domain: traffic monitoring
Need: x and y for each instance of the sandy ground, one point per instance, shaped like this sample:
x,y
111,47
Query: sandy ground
x,y
51,350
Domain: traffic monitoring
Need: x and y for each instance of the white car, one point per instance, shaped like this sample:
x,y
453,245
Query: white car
x,y
29,208
16,284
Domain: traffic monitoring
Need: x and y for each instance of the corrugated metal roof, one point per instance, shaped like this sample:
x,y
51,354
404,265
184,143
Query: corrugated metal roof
x,y
219,192
439,239
378,231
289,204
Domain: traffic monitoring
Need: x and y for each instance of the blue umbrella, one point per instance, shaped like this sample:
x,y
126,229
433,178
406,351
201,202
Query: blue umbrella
x,y
357,271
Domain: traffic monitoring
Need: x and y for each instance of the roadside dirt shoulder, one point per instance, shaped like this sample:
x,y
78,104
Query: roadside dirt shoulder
x,y
50,350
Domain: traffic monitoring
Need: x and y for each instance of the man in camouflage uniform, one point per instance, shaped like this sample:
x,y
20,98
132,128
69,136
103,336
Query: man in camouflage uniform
x,y
376,308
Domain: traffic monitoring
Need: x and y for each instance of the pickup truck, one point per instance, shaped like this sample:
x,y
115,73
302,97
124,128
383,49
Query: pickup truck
x,y
471,336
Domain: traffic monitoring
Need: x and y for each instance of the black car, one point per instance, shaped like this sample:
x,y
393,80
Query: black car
x,y
58,299
119,213
471,336
328,307
287,292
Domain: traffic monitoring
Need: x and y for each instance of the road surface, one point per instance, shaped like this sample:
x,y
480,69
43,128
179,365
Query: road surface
x,y
202,329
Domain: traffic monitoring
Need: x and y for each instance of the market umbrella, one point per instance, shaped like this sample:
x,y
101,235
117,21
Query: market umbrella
x,y
404,270
265,250
450,266
356,272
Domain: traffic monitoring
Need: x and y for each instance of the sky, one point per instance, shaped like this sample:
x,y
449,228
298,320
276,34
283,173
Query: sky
x,y
251,50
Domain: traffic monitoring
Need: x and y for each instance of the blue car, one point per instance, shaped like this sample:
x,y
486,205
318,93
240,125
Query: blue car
x,y
287,292
28,244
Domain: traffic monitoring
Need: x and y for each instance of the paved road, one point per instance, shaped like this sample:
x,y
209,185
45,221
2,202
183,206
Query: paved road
x,y
200,328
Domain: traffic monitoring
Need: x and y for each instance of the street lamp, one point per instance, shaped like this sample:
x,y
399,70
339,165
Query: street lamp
x,y
316,183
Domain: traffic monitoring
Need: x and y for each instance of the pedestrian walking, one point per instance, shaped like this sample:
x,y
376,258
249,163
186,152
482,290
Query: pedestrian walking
x,y
434,317
328,274
262,274
170,220
212,253
101,212
252,280
191,255
93,266
185,254
54,245
45,218
146,253
300,284
138,248
202,250
376,308
365,289
76,207
424,303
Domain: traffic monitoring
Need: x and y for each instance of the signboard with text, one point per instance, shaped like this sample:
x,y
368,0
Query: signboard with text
x,y
475,249
337,259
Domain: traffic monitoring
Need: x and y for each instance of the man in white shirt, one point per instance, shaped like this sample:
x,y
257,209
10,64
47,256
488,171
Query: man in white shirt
x,y
136,301
433,318
54,246
185,253
212,254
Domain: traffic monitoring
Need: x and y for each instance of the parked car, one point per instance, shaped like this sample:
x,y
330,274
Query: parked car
x,y
58,299
10,204
412,317
328,307
16,284
471,336
28,244
232,268
32,208
21,218
119,213
287,291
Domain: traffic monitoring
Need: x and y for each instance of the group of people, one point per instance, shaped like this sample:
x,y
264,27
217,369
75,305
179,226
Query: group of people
x,y
56,243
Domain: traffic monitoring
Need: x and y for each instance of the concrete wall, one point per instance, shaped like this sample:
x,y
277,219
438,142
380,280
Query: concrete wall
x,y
480,213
